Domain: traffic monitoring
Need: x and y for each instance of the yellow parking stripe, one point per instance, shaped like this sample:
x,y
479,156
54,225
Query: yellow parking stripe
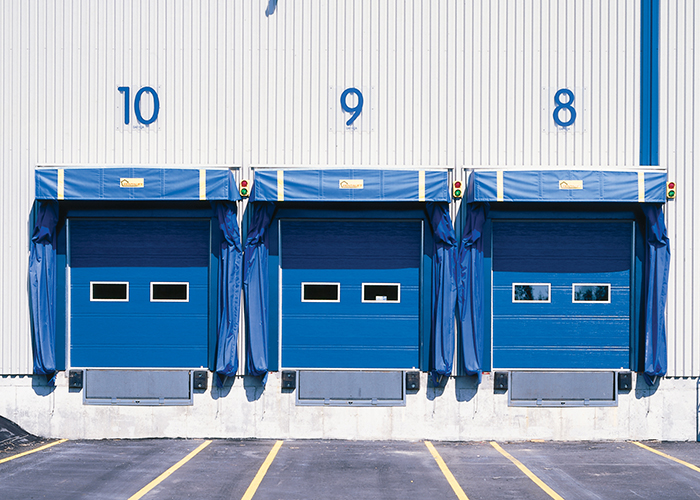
x,y
32,451
168,472
261,473
527,472
448,475
691,466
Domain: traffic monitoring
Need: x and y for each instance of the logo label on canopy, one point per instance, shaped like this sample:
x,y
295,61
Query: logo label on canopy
x,y
571,184
131,182
351,184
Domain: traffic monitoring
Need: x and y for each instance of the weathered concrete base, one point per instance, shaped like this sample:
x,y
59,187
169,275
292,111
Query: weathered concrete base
x,y
460,411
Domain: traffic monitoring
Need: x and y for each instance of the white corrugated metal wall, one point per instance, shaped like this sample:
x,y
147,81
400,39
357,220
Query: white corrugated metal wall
x,y
446,83
679,132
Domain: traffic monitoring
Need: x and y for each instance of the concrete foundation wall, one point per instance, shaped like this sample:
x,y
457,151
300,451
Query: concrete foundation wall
x,y
667,411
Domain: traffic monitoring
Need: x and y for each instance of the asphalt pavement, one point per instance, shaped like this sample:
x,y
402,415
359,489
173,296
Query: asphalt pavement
x,y
317,469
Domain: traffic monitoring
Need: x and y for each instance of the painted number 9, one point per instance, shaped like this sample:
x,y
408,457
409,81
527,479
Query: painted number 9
x,y
137,105
560,106
354,110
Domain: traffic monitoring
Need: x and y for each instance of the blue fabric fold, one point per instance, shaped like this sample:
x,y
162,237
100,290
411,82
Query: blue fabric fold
x,y
229,292
42,289
470,288
656,268
444,290
255,287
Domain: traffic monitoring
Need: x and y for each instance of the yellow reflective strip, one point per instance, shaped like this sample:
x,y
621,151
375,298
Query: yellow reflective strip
x,y
261,473
446,471
202,184
280,185
168,472
527,472
640,186
40,448
677,460
421,185
499,185
60,189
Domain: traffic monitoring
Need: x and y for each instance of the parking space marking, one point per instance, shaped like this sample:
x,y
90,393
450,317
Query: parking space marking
x,y
40,448
527,472
446,471
261,473
678,460
168,472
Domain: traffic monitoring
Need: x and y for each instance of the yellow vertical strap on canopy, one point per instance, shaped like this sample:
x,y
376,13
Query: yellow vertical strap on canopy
x,y
421,185
499,185
202,184
640,186
280,185
59,187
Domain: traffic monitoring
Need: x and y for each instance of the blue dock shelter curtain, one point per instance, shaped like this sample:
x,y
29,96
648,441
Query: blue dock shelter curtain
x,y
656,267
255,287
42,286
470,288
444,293
229,292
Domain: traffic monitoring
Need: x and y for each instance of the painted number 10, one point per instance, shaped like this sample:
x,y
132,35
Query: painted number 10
x,y
137,105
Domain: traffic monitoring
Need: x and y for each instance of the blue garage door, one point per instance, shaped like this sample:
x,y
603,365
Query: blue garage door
x,y
139,293
350,293
561,294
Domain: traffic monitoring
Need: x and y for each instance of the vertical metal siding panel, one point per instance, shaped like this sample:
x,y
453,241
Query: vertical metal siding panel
x,y
366,55
384,78
674,311
404,73
448,68
629,121
688,108
693,186
678,135
456,98
505,77
317,87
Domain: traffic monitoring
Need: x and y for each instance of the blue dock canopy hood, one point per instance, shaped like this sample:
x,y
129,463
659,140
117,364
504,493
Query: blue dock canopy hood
x,y
567,186
135,183
350,185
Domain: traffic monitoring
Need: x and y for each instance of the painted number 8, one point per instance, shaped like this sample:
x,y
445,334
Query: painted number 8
x,y
354,110
568,106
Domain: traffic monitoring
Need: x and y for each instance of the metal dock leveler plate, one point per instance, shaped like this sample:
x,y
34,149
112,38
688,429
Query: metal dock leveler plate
x,y
530,388
356,388
138,387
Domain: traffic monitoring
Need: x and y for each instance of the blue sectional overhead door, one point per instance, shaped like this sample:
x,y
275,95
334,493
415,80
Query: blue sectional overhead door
x,y
561,294
139,293
350,293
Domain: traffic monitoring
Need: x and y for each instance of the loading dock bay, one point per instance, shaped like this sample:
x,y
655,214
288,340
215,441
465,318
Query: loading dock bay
x,y
262,469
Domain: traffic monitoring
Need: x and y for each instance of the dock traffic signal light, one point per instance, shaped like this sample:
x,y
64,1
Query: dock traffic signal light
x,y
670,190
244,187
457,189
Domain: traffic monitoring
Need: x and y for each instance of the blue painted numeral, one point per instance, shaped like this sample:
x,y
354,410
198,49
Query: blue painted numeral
x,y
355,110
125,91
137,105
568,106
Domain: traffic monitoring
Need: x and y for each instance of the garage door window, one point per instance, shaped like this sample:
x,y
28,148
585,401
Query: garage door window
x,y
109,291
532,292
591,292
381,292
170,292
320,292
